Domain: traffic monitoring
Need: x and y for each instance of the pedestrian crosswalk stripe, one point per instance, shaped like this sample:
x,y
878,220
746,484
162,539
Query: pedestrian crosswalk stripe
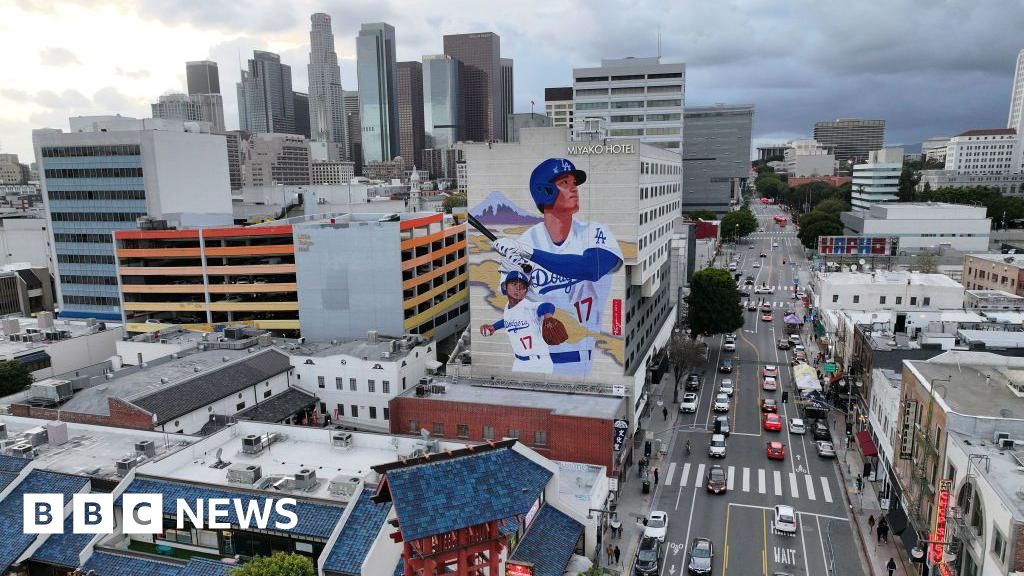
x,y
746,479
810,486
685,476
793,486
732,476
825,490
671,473
760,480
778,483
700,475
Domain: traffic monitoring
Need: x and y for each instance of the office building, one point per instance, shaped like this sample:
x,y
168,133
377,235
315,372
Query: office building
x,y
772,152
633,98
202,77
920,226
106,174
507,95
517,122
989,151
716,159
25,289
442,101
385,170
410,112
994,272
276,159
441,163
332,172
378,91
50,347
301,104
480,84
934,149
177,107
353,129
265,96
807,158
1016,117
1004,183
558,105
326,97
235,139
851,139
12,171
877,180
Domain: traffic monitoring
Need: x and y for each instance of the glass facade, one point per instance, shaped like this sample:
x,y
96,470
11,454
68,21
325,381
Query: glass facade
x,y
378,112
441,121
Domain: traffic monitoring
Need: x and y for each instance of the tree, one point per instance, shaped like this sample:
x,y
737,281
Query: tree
x,y
454,201
738,223
686,354
925,262
769,186
702,215
815,216
809,235
279,564
713,303
14,377
908,183
832,206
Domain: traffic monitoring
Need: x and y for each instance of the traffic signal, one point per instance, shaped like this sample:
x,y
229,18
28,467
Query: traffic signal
x,y
849,429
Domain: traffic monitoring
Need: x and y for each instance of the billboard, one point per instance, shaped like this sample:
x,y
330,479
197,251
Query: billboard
x,y
553,227
858,245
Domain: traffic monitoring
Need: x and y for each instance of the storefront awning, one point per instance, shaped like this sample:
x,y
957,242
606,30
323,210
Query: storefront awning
x,y
866,444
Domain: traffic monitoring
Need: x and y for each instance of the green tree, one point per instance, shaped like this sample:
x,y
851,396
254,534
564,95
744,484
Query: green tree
x,y
456,200
14,377
832,206
908,182
809,235
714,303
769,186
815,216
702,215
279,564
738,224
764,168
925,262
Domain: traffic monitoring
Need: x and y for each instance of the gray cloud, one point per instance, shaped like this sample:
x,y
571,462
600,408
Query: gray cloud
x,y
57,56
15,95
68,99
132,74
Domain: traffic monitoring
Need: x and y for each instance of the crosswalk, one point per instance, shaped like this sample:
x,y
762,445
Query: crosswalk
x,y
776,303
756,480
776,287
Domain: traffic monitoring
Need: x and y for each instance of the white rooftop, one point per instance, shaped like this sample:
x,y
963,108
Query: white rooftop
x,y
77,328
1011,259
891,277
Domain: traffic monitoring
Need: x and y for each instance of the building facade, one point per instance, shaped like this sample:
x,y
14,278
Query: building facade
x,y
202,77
480,84
300,102
994,272
851,138
25,290
410,111
326,97
880,290
934,149
558,105
26,240
716,160
12,171
507,95
983,152
442,163
105,175
177,107
353,128
877,180
634,98
1015,119
923,225
378,91
516,122
265,96
443,119
272,159
332,172
807,158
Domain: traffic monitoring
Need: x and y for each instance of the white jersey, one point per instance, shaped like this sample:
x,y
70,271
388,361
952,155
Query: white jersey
x,y
525,334
584,300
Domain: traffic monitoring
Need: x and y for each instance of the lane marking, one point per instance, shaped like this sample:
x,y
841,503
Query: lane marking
x,y
821,541
671,473
698,479
725,561
825,490
778,483
760,480
732,476
803,545
684,478
746,479
794,490
810,486
764,542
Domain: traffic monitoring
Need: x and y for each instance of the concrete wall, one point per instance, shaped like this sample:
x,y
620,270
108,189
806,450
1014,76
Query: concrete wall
x,y
129,351
25,240
192,422
190,171
122,415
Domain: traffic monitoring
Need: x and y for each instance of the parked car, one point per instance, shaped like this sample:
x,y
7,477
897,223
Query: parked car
x,y
772,422
821,431
693,382
776,450
784,520
769,405
770,370
770,384
725,366
702,555
657,525
722,426
796,426
716,481
767,316
725,387
825,449
783,344
648,557
689,403
717,447
722,403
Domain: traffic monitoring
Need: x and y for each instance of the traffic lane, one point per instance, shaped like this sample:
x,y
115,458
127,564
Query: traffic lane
x,y
838,546
744,550
708,520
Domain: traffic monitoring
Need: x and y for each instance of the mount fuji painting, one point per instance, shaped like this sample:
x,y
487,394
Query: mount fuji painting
x,y
498,209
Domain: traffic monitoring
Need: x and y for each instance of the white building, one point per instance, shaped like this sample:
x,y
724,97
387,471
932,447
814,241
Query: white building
x,y
636,97
880,290
25,240
558,106
934,148
53,347
923,225
332,172
804,158
877,180
883,414
1016,117
998,300
1005,183
992,151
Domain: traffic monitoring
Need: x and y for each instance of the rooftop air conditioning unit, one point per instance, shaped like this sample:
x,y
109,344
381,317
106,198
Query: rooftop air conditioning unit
x,y
124,465
305,479
36,436
244,473
22,451
252,444
341,439
1000,436
1006,444
145,448
343,486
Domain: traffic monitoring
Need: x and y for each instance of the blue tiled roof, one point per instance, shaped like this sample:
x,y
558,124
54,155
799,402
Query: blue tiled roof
x,y
400,568
465,491
358,534
204,567
107,564
315,520
549,542
6,478
63,549
12,540
12,463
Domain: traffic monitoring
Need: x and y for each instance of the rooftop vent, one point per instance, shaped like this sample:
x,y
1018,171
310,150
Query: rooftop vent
x,y
305,479
124,465
244,473
341,439
343,486
145,448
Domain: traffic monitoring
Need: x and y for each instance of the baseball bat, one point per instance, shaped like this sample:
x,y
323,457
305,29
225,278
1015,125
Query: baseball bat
x,y
490,235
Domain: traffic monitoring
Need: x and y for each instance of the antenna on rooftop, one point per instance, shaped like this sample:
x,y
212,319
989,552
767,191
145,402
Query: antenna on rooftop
x,y
659,41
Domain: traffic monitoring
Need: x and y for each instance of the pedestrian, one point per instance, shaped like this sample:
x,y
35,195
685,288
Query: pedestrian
x,y
617,554
611,553
891,565
885,534
664,412
871,524
655,476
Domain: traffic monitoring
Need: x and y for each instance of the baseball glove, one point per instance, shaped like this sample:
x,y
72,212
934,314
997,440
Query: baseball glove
x,y
554,331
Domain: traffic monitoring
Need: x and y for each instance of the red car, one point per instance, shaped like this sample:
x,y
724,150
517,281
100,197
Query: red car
x,y
769,405
767,317
769,383
772,422
776,450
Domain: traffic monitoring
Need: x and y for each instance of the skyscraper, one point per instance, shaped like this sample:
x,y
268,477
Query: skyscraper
x,y
1016,119
326,105
266,87
716,159
506,99
480,84
353,127
410,112
202,77
203,83
301,105
442,114
377,74
177,107
851,138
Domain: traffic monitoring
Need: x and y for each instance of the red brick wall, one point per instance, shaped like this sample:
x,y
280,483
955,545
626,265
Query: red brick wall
x,y
122,415
1017,562
570,438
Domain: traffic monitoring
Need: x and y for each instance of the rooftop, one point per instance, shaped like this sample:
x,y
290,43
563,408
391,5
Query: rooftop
x,y
396,347
73,329
549,542
1002,472
992,294
358,535
989,132
1011,259
977,383
891,278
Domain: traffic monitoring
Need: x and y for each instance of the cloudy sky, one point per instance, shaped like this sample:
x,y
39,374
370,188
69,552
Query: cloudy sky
x,y
927,67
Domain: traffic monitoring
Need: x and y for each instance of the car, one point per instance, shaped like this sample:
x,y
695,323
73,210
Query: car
x,y
821,431
764,254
702,555
776,450
770,370
725,366
721,425
825,449
717,446
784,520
783,344
726,387
729,346
751,306
796,426
775,244
794,339
689,403
693,382
648,557
799,349
732,267
716,481
801,294
657,525
770,384
744,294
764,290
749,279
730,336
769,405
722,403
773,422
751,247
767,316
755,265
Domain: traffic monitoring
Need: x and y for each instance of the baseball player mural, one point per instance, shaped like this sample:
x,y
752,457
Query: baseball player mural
x,y
571,261
531,326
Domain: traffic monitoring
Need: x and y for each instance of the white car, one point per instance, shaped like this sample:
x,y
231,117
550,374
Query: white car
x,y
717,447
785,519
722,403
688,403
775,244
726,387
729,346
732,267
771,370
796,426
756,265
764,290
801,295
657,525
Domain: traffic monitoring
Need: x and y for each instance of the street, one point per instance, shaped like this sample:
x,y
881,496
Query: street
x,y
739,522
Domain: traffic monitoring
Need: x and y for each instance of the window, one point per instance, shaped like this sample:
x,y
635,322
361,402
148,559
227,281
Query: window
x,y
373,412
462,430
339,384
320,382
371,385
926,301
387,416
438,428
899,300
913,300
240,406
998,544
513,433
385,386
540,438
881,299
835,298
856,298
266,393
488,432
414,427
352,384
355,411
340,411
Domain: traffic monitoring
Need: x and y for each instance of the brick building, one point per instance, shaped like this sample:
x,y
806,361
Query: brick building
x,y
576,428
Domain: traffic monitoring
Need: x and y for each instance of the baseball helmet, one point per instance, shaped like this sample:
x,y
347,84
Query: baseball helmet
x,y
513,275
542,180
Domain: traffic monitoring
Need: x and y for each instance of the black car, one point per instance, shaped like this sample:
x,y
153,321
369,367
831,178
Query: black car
x,y
764,255
648,557
744,294
722,425
693,383
702,554
821,431
725,366
716,482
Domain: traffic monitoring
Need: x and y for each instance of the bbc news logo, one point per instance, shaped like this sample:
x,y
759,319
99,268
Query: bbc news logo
x,y
143,513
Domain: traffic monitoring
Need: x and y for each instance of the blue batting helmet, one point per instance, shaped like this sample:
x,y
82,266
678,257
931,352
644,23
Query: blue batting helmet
x,y
513,275
542,186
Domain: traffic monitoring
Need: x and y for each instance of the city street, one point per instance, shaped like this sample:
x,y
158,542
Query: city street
x,y
739,522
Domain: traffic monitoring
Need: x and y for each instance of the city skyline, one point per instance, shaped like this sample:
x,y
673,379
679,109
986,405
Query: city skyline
x,y
933,80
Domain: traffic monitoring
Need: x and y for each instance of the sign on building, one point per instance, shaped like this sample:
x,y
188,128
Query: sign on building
x,y
907,430
619,430
858,245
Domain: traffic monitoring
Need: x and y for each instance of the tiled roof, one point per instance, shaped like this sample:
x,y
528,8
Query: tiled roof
x,y
6,478
12,463
277,408
204,567
63,549
989,132
315,520
449,494
549,543
358,534
179,399
12,540
111,564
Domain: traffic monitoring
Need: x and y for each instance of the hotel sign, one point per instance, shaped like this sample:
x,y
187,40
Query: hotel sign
x,y
907,430
939,536
598,149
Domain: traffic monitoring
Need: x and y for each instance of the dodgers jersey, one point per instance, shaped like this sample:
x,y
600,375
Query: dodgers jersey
x,y
524,329
584,300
